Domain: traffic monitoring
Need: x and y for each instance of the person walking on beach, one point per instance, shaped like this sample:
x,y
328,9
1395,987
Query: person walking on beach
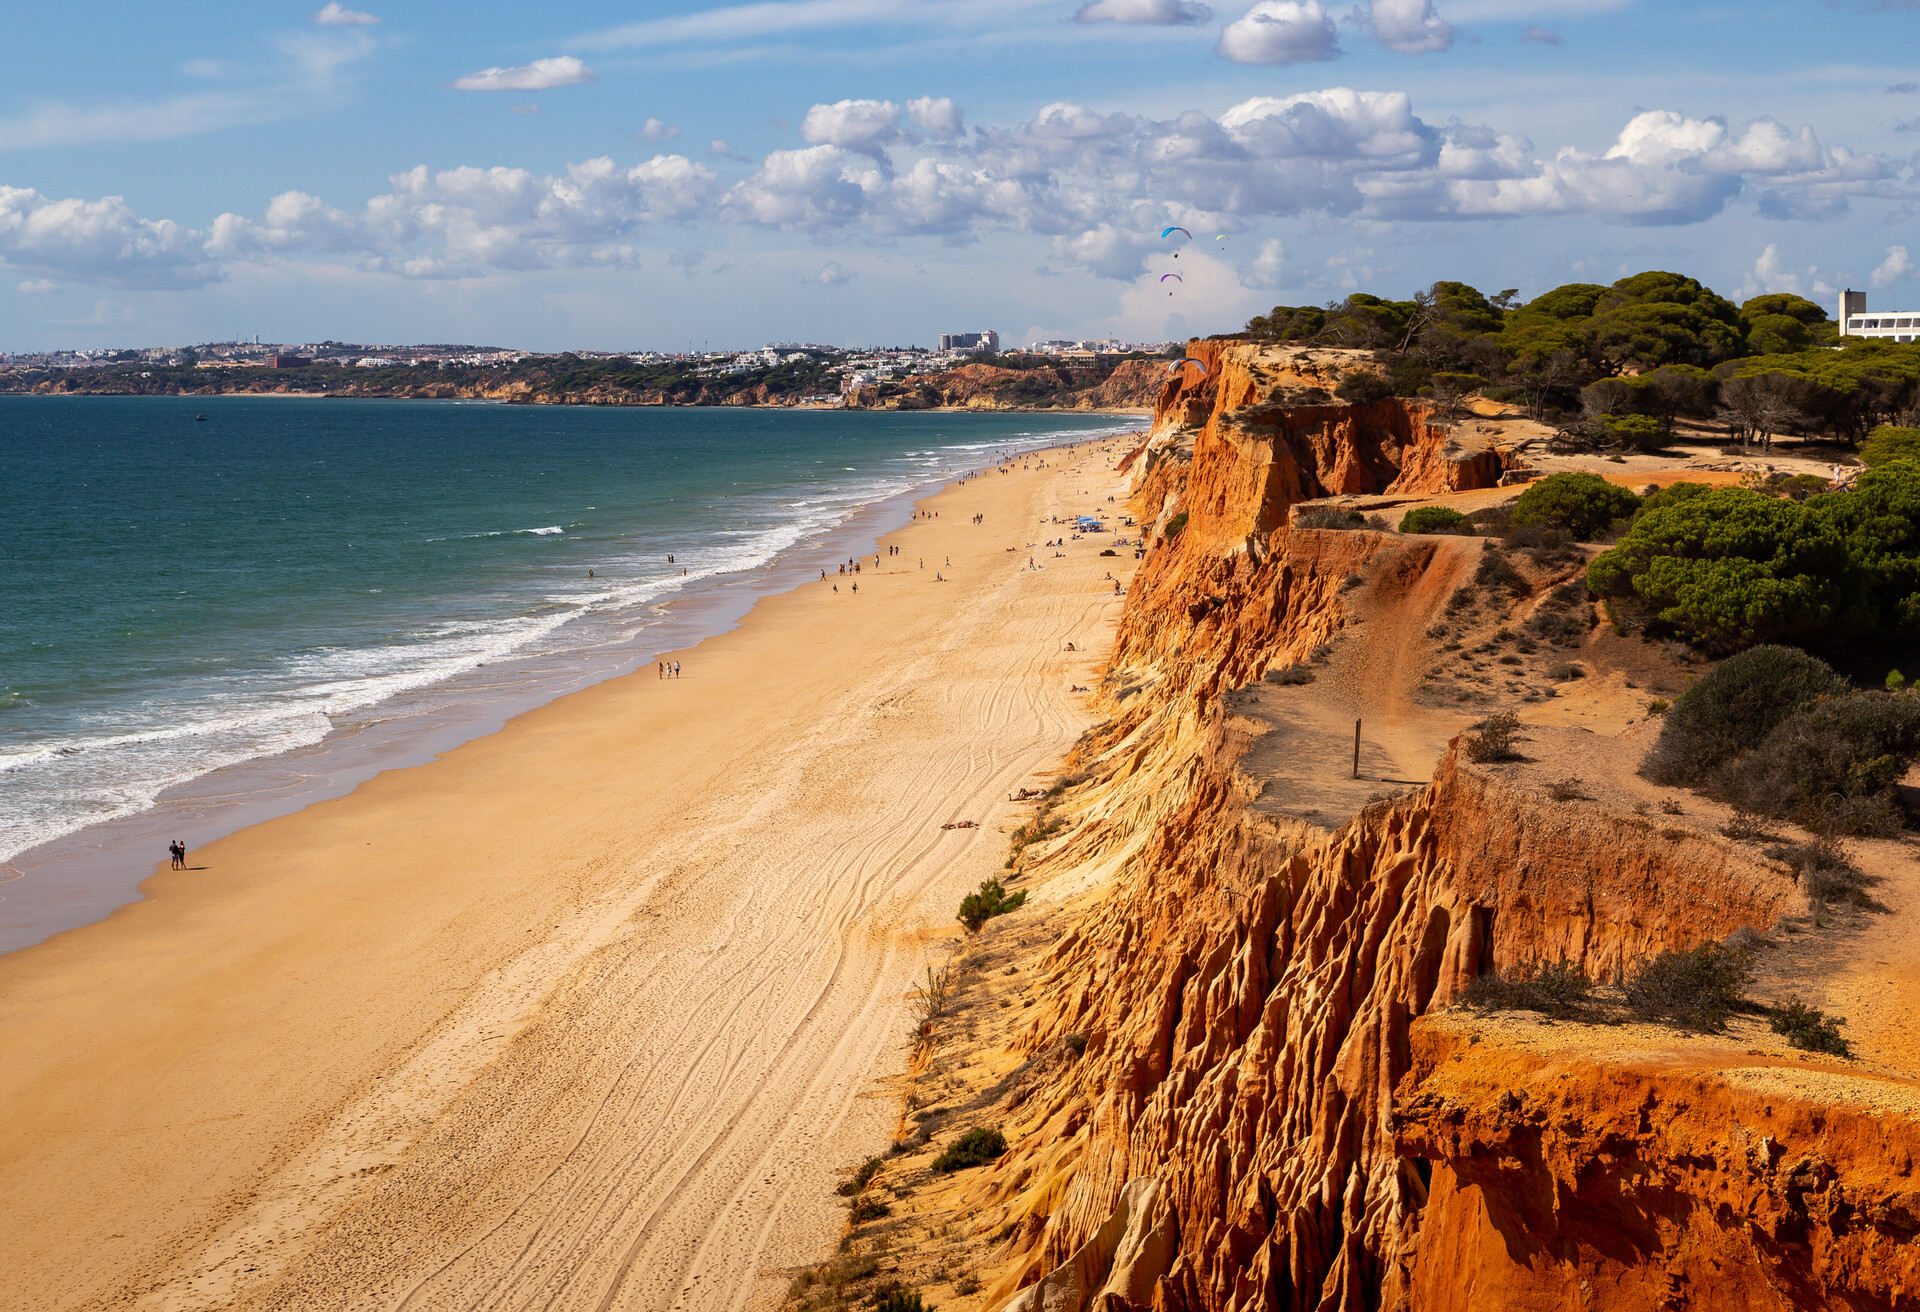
x,y
180,850
173,853
676,669
661,667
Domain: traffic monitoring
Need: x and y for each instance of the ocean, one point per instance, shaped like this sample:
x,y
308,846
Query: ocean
x,y
187,597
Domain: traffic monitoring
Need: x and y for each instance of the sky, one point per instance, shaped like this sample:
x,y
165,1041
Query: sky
x,y
676,175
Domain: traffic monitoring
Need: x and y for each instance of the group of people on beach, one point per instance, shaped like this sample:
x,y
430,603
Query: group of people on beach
x,y
177,849
669,669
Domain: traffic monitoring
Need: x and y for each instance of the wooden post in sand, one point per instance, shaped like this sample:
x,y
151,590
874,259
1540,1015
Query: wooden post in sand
x,y
1356,749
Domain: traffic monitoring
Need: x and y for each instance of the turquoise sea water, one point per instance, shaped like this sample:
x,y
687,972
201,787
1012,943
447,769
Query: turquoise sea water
x,y
184,595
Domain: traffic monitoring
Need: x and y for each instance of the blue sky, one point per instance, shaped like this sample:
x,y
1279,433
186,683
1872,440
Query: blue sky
x,y
875,171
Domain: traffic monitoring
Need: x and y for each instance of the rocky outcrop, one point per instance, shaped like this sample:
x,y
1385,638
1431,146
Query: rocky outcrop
x,y
1560,1183
1265,1084
1247,998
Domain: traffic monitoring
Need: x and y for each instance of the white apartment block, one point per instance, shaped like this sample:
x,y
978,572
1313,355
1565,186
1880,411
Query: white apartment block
x,y
1855,321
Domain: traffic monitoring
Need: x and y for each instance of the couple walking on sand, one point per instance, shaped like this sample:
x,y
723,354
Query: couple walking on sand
x,y
177,849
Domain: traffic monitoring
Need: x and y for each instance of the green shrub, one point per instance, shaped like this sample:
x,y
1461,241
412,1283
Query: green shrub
x,y
1636,432
1672,494
1890,443
1895,681
1808,1029
1435,519
1582,504
974,1148
1174,526
1290,675
1363,389
1734,707
900,1299
1730,567
867,1209
1554,987
1697,989
976,909
1847,749
1879,522
861,1177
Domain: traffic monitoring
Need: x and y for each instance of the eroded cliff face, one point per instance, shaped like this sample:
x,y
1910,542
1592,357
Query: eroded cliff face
x,y
1240,1093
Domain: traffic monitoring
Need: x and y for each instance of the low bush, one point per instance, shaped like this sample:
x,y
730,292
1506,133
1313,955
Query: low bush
x,y
1553,987
1833,765
974,1148
867,1209
1571,789
1435,519
1584,505
900,1299
1888,444
1496,571
1174,525
976,909
862,1177
1565,672
1492,519
1363,388
1492,738
1291,675
1697,989
1329,517
1746,827
1808,1029
1734,707
1825,870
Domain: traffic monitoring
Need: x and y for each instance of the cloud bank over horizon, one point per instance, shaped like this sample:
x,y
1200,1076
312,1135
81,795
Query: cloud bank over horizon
x,y
1375,144
876,169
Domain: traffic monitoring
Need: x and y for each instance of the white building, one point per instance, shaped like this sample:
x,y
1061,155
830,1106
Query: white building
x,y
988,342
1899,325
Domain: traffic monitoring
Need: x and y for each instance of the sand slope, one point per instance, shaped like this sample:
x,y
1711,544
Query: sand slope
x,y
584,1015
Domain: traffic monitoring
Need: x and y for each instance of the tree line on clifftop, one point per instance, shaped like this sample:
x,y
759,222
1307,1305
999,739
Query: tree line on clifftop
x,y
1626,360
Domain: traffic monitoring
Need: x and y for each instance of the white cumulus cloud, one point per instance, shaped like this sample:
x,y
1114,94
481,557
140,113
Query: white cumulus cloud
x,y
335,14
940,117
1164,12
1896,266
654,130
540,75
862,125
832,275
102,242
1409,26
1281,32
37,286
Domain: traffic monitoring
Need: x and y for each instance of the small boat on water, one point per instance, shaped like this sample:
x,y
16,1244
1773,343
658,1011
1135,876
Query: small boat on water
x,y
199,419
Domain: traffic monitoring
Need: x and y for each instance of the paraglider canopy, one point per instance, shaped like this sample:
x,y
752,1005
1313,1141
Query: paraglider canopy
x,y
1170,231
1187,360
1176,277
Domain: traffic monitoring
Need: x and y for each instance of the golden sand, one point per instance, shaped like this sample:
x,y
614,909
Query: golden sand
x,y
587,1013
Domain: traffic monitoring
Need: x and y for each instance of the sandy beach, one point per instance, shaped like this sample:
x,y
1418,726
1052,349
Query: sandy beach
x,y
588,1013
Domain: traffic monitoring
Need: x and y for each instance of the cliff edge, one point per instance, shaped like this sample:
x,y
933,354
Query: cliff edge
x,y
1223,1039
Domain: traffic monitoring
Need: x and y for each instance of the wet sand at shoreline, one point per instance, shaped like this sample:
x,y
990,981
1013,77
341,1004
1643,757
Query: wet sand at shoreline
x,y
589,1012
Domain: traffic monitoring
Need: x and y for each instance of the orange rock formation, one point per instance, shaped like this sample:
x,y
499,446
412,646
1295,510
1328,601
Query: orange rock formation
x,y
1268,1113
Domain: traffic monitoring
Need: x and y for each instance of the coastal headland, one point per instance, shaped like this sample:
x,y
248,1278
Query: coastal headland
x,y
586,1013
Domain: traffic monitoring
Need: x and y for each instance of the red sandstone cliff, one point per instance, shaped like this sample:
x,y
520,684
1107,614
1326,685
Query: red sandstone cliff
x,y
1268,1109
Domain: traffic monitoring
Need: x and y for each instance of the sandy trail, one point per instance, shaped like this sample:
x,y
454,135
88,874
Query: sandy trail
x,y
585,1015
